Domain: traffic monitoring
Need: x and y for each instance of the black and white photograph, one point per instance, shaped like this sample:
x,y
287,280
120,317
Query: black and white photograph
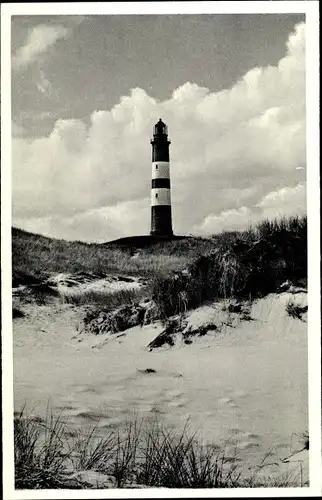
x,y
159,201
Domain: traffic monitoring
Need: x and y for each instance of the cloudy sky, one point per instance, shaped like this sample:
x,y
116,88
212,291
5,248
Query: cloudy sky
x,y
87,90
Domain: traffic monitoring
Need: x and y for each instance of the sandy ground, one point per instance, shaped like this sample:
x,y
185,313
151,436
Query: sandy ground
x,y
247,383
66,282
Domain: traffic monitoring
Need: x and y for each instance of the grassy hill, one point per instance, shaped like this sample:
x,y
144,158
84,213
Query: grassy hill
x,y
39,255
143,241
184,272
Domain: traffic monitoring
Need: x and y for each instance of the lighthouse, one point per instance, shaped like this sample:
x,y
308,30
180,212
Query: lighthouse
x,y
161,218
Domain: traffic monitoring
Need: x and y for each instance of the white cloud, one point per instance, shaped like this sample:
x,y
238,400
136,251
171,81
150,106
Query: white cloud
x,y
284,202
39,41
229,151
229,220
99,224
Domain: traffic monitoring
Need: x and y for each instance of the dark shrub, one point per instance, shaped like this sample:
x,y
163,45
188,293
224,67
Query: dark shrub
x,y
295,310
16,313
242,265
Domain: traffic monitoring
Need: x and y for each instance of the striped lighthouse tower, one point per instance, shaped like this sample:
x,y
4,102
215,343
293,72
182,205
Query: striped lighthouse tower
x,y
161,223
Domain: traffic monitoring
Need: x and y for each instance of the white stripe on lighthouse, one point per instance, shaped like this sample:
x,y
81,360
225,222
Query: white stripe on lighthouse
x,y
160,196
160,170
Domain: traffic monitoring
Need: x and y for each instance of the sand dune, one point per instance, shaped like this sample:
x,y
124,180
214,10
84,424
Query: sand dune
x,y
245,382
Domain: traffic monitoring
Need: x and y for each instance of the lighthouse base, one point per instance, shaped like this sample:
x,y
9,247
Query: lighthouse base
x,y
161,221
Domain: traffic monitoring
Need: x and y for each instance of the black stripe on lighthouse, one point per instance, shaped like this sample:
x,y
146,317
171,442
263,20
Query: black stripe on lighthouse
x,y
161,220
161,153
160,183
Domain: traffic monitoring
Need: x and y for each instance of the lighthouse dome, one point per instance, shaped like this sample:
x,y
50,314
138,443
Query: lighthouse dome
x,y
160,128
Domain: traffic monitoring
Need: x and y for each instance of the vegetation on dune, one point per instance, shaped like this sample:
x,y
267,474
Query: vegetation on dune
x,y
106,298
247,265
16,313
182,273
142,453
37,256
177,325
296,311
114,321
